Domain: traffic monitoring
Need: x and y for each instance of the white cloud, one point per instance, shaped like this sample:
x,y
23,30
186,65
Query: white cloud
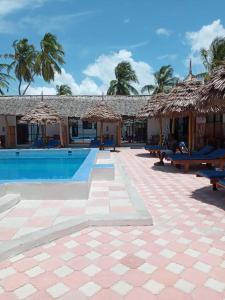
x,y
202,39
10,6
167,56
163,31
39,90
102,70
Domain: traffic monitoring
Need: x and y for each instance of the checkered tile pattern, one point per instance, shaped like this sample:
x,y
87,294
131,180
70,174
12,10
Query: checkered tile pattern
x,y
181,257
32,215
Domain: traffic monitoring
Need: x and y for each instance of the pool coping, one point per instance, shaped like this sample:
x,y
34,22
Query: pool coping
x,y
140,218
83,174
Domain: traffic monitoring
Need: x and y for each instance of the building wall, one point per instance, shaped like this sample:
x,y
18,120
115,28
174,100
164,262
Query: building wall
x,y
153,127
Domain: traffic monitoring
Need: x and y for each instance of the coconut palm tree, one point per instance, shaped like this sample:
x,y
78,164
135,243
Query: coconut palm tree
x,y
164,81
213,57
23,61
122,84
63,90
29,62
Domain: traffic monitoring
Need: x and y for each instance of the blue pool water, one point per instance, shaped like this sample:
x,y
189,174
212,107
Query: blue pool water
x,y
42,164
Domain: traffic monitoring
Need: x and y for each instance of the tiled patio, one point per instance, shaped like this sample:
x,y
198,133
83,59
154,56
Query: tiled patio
x,y
182,256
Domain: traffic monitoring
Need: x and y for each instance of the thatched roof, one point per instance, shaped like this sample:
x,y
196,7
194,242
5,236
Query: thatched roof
x,y
42,114
212,95
153,107
182,98
71,106
101,112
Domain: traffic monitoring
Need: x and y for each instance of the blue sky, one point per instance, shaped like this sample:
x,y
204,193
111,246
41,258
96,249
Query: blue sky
x,y
98,34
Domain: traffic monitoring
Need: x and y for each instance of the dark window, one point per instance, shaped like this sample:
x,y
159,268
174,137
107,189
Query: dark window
x,y
87,125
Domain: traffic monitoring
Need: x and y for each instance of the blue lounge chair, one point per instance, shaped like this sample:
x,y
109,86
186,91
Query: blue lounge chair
x,y
109,144
221,183
203,151
53,143
213,175
95,143
39,143
216,157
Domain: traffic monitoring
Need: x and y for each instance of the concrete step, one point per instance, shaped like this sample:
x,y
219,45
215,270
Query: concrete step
x,y
9,200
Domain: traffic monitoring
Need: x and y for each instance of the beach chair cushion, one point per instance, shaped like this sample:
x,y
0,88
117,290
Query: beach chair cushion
x,y
216,154
212,174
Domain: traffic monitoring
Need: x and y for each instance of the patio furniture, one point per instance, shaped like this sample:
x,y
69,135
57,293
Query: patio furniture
x,y
39,143
95,143
213,175
203,151
109,144
216,158
53,143
221,183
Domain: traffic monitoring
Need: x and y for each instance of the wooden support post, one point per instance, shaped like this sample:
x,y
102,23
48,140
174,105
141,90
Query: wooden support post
x,y
190,133
101,134
119,134
161,133
61,134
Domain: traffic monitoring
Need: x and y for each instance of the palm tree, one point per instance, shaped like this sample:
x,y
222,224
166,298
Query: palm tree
x,y
4,84
63,90
164,81
213,57
23,61
124,76
28,62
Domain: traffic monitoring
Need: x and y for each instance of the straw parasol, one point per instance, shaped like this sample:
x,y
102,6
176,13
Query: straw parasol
x,y
43,114
153,109
101,112
182,101
212,96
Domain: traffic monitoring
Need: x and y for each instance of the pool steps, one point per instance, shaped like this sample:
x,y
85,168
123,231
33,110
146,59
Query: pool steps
x,y
9,200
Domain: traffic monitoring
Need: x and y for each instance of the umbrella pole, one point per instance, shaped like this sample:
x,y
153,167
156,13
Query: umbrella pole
x,y
101,134
160,129
60,134
190,133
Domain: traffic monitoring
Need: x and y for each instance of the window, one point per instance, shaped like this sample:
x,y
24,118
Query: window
x,y
87,125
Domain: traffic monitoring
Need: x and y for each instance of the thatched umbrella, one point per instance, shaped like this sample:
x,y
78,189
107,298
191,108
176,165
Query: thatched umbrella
x,y
212,95
182,101
153,109
42,115
101,112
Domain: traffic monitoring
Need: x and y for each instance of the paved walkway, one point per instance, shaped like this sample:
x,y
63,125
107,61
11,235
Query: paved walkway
x,y
181,257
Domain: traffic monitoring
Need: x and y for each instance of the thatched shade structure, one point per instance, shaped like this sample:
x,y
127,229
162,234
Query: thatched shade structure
x,y
211,97
42,115
101,112
153,109
182,102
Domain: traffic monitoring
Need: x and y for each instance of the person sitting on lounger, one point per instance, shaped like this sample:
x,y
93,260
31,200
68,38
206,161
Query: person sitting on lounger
x,y
173,147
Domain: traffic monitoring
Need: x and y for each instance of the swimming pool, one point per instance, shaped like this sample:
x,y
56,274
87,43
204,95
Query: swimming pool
x,y
46,165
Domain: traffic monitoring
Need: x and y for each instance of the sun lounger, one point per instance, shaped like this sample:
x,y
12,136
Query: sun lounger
x,y
215,158
221,183
155,149
213,175
95,143
109,144
53,143
38,144
203,151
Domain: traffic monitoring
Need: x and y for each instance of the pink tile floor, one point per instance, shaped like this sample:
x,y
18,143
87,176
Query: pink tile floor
x,y
32,215
182,256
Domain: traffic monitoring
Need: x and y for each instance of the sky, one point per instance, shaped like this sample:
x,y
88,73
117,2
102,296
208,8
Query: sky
x,y
98,34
